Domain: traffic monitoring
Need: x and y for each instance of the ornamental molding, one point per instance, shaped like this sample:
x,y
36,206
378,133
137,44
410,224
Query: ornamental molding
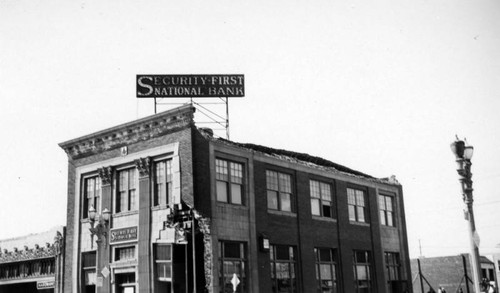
x,y
130,133
106,175
48,251
144,166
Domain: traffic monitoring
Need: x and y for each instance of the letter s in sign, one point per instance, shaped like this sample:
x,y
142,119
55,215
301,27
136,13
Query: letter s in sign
x,y
144,86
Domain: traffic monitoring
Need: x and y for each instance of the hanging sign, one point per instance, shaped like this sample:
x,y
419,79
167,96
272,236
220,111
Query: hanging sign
x,y
190,86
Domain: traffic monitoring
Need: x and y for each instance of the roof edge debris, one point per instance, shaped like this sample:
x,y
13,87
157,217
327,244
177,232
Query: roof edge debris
x,y
301,157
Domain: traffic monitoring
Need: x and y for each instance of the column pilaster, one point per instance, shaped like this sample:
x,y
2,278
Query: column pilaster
x,y
144,238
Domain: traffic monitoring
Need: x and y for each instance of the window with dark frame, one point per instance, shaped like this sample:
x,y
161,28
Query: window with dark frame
x,y
163,183
89,275
392,263
283,269
386,204
326,270
232,260
279,191
229,181
125,253
91,195
321,199
163,260
362,271
357,205
126,198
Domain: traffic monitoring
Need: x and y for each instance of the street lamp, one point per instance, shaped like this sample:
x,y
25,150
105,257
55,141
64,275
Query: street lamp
x,y
98,229
463,156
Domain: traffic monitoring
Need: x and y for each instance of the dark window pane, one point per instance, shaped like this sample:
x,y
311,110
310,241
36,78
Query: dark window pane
x,y
282,253
163,252
324,254
232,250
89,259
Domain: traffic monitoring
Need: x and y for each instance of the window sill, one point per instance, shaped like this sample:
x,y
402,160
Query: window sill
x,y
159,207
360,224
123,214
389,227
282,213
325,219
232,205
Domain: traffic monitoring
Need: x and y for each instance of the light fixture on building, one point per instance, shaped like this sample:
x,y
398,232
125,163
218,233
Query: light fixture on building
x,y
98,227
463,155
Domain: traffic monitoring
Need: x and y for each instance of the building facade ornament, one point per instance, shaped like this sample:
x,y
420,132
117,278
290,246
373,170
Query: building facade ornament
x,y
28,254
144,166
106,175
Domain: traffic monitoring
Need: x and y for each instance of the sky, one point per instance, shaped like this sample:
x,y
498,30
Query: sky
x,y
382,87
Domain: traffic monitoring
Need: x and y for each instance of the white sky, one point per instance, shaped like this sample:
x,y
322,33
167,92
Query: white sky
x,y
378,86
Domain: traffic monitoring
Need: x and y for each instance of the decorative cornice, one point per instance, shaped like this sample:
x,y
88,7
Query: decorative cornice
x,y
48,251
144,166
139,130
106,175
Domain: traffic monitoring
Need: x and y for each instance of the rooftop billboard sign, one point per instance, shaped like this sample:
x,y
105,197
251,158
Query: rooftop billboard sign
x,y
190,86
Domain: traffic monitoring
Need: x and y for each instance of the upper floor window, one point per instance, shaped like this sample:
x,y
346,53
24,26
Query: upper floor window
x,y
362,271
326,270
321,199
229,177
126,198
279,191
357,206
91,195
232,261
163,183
283,268
386,210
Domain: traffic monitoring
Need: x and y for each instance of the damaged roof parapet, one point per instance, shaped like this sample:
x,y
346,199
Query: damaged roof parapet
x,y
306,159
131,132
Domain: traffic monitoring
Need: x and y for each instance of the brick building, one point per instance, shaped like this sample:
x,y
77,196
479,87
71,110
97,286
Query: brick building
x,y
189,211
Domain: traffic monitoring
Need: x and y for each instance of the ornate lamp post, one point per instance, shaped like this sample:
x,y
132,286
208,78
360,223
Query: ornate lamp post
x,y
463,156
99,228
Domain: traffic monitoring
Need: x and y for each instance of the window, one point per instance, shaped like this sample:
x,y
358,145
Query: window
x,y
89,275
91,195
163,183
126,199
283,268
229,176
124,253
356,204
386,210
326,270
392,264
232,261
163,260
321,199
279,191
362,272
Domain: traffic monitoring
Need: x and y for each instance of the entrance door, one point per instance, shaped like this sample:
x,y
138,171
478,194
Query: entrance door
x,y
125,283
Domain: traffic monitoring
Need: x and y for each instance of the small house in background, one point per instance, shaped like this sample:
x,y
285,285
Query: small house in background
x,y
449,272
